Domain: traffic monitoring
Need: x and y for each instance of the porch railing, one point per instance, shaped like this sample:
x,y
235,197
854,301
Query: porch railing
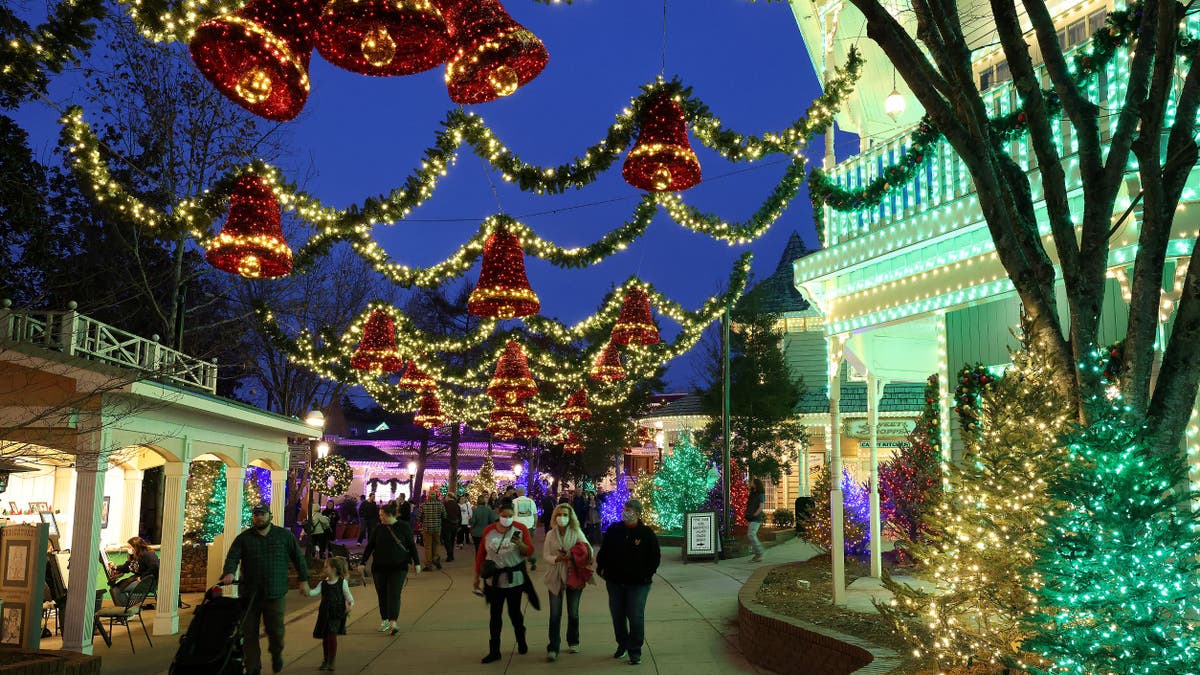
x,y
78,335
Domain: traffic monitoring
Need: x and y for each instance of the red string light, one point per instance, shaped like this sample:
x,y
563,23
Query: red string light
x,y
663,159
377,350
512,381
430,414
503,291
576,408
251,243
608,366
635,323
383,37
416,379
494,55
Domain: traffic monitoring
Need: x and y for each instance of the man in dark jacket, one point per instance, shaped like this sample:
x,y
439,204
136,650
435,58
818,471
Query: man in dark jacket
x,y
450,524
627,561
368,517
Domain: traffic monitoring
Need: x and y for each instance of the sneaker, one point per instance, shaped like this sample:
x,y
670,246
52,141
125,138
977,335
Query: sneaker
x,y
438,565
489,658
551,656
324,666
385,626
619,653
634,660
276,663
574,649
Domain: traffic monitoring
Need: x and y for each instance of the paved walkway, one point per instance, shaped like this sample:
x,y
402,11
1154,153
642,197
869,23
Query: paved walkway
x,y
691,627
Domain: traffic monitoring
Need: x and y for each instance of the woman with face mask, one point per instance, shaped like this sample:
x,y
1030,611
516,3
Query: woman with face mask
x,y
500,562
570,555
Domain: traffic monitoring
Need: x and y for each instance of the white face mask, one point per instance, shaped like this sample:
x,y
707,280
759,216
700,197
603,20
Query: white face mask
x,y
506,522
564,520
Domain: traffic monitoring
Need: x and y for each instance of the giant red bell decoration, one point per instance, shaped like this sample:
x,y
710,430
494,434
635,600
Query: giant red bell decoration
x,y
258,56
430,414
251,243
607,367
573,444
662,160
383,37
576,408
415,378
512,380
635,323
377,349
494,55
503,291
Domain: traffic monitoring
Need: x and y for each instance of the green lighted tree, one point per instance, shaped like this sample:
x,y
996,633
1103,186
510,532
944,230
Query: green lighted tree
x,y
979,543
681,483
484,482
1120,575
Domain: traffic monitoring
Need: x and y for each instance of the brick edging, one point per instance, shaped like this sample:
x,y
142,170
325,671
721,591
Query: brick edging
x,y
787,645
47,662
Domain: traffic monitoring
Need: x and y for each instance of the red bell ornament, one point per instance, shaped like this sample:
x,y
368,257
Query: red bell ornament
x,y
383,37
494,55
512,380
607,367
377,350
503,291
573,444
258,56
416,379
576,408
662,160
635,323
430,414
251,243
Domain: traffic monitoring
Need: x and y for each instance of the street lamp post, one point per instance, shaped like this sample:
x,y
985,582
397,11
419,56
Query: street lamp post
x,y
320,450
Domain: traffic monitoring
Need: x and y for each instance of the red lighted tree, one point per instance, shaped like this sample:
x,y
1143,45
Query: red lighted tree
x,y
910,485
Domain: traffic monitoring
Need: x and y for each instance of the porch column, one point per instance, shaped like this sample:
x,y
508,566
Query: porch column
x,y
64,484
278,477
130,520
945,403
802,481
235,481
837,548
166,619
873,387
91,464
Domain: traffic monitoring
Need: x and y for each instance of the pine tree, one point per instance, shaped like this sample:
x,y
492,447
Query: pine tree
x,y
910,485
643,491
739,493
1119,572
614,502
484,482
681,484
816,528
980,541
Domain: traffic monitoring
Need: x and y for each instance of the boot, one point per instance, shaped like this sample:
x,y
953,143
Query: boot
x,y
493,652
522,646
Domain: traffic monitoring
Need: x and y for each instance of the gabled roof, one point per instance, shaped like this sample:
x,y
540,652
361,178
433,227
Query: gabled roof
x,y
897,397
686,406
777,293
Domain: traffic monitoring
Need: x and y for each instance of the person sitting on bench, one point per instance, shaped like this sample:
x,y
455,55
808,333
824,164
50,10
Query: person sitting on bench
x,y
142,563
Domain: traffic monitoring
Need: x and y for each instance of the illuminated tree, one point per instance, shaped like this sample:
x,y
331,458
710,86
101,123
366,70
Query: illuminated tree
x,y
681,483
643,491
816,527
979,543
910,485
204,507
614,502
484,482
1118,565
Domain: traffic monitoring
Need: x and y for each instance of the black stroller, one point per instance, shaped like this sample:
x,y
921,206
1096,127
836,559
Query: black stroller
x,y
213,642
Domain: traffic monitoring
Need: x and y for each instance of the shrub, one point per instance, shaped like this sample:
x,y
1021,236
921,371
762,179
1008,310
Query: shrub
x,y
783,518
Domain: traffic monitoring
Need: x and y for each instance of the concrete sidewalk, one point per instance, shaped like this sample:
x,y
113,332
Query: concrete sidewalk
x,y
690,627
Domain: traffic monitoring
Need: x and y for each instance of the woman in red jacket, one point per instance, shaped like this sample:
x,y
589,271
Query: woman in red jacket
x,y
500,563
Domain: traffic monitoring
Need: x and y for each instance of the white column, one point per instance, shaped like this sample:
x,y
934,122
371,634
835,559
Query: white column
x,y
64,502
802,484
278,477
873,387
945,403
91,464
837,538
235,477
133,504
166,618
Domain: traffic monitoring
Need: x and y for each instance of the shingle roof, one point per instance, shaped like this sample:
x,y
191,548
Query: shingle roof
x,y
778,292
897,397
363,453
687,406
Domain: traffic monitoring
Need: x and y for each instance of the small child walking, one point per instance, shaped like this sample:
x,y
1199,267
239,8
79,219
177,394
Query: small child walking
x,y
336,602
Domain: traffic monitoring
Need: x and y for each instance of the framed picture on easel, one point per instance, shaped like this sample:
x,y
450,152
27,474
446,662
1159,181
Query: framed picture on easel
x,y
104,513
48,518
12,624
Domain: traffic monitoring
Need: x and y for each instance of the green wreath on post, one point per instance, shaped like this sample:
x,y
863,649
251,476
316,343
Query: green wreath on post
x,y
332,475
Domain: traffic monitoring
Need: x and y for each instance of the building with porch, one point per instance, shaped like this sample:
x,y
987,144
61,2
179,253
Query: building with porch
x,y
111,422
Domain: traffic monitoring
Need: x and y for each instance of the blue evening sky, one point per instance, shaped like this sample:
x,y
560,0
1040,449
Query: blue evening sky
x,y
360,136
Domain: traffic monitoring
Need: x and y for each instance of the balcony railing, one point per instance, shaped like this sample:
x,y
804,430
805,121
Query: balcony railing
x,y
77,335
943,177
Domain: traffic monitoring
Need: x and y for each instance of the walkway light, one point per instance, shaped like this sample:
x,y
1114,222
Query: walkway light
x,y
315,418
517,468
412,468
322,450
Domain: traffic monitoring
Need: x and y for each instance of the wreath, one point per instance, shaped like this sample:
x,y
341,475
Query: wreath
x,y
333,474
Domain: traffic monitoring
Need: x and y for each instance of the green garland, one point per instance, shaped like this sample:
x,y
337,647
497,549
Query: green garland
x,y
973,381
27,54
1119,27
331,475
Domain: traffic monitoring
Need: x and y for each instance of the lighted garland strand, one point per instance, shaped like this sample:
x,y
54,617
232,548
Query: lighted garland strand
x,y
1120,27
27,54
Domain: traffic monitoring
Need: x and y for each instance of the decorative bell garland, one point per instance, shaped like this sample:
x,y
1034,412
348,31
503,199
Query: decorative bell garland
x,y
430,414
573,444
576,407
331,475
415,379
251,244
662,160
607,367
512,382
636,324
258,56
377,350
383,37
494,55
503,290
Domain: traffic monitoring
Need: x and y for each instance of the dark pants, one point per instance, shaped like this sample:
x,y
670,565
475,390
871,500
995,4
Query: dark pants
x,y
388,585
449,532
268,613
556,609
496,599
627,604
368,526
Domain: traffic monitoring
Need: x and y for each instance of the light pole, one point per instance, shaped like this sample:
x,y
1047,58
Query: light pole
x,y
725,419
412,478
320,450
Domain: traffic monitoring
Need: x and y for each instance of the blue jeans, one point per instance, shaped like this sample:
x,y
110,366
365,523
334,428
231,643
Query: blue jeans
x,y
627,604
556,608
752,534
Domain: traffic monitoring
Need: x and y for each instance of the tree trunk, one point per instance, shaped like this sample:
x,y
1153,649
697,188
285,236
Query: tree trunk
x,y
422,458
452,481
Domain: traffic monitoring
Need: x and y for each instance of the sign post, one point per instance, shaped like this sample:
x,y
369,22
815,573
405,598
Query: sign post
x,y
701,536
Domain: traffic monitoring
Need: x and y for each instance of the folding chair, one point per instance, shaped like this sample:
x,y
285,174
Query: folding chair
x,y
135,597
358,573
